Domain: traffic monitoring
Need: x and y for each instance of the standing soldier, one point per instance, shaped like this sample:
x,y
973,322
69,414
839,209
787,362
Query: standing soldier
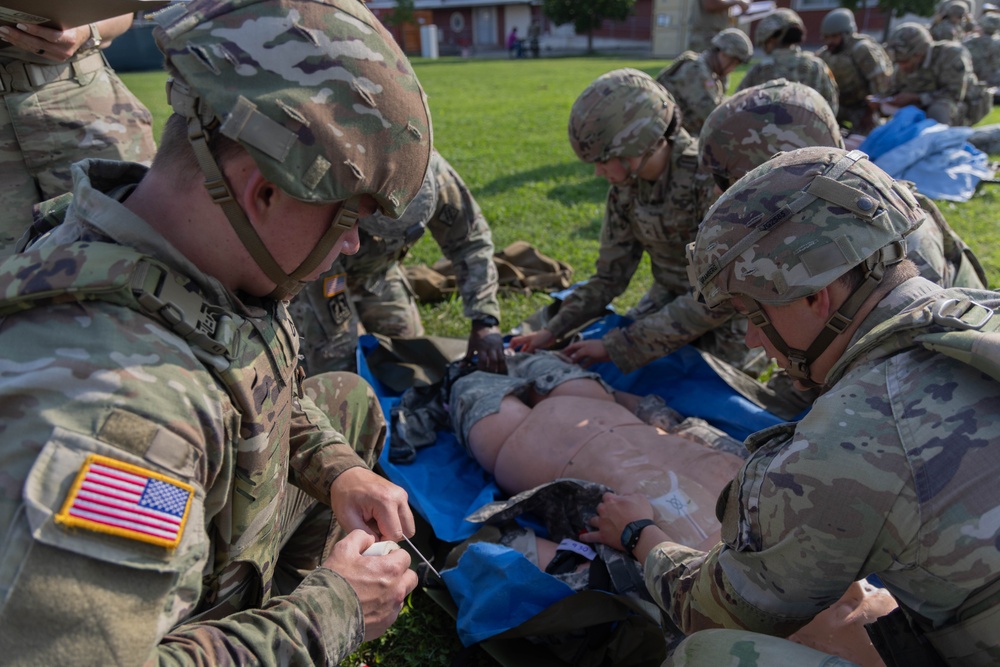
x,y
698,82
860,66
780,35
893,470
62,102
934,76
950,21
984,49
709,18
370,287
172,490
629,127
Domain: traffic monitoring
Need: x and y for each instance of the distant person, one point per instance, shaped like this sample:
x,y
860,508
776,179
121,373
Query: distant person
x,y
513,44
780,35
534,33
709,18
950,21
62,103
698,81
860,66
984,49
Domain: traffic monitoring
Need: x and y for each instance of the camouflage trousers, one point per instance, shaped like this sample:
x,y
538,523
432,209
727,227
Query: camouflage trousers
x,y
329,324
710,648
44,131
311,528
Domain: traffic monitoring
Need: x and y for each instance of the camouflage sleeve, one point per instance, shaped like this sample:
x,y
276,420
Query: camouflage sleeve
x,y
874,65
952,75
704,92
617,260
460,229
672,327
826,84
806,516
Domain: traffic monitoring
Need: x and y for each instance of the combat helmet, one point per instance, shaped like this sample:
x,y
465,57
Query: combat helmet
x,y
316,91
990,23
757,122
777,24
791,227
840,20
734,43
412,223
621,114
955,9
907,41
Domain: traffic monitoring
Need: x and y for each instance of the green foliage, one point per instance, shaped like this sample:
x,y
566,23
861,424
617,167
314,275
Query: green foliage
x,y
502,125
403,13
586,15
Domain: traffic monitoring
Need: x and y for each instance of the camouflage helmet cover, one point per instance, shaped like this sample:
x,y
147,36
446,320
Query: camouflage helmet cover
x,y
840,20
734,43
315,90
955,9
907,41
621,114
990,23
751,126
795,224
414,219
777,24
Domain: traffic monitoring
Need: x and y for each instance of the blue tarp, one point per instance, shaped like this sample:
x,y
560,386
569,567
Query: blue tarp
x,y
494,587
936,157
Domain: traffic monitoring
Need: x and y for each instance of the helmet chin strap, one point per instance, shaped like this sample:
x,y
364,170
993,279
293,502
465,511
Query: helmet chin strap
x,y
633,175
287,285
800,361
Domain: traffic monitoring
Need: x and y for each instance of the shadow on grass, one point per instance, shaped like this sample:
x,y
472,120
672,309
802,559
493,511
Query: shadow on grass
x,y
592,190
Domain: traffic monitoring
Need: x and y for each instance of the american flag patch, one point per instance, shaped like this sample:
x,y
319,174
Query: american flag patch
x,y
334,285
110,496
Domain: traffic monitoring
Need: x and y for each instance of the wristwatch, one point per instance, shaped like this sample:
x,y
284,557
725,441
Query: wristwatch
x,y
486,321
95,39
631,534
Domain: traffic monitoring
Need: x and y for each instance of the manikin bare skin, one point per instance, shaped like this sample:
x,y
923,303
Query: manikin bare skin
x,y
580,431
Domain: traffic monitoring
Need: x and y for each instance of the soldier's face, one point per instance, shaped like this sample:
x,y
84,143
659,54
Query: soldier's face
x,y
910,64
616,170
834,42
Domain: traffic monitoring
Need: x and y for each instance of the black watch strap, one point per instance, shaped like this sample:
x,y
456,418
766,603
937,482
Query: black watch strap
x,y
631,534
486,321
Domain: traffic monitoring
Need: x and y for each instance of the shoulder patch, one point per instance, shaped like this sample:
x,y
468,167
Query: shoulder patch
x,y
117,498
334,285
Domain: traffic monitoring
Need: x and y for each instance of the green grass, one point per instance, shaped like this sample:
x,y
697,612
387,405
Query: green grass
x,y
502,125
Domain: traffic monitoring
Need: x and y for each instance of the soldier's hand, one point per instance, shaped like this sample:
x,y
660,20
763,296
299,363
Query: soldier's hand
x,y
360,499
486,346
532,342
55,45
381,582
587,352
614,513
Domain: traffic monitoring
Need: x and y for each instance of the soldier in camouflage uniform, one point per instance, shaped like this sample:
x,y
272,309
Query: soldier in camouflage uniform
x,y
950,21
62,103
698,82
630,128
862,484
709,18
860,66
172,489
984,50
780,35
934,76
370,287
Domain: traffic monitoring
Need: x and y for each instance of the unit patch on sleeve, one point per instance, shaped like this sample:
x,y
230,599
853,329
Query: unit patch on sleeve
x,y
110,496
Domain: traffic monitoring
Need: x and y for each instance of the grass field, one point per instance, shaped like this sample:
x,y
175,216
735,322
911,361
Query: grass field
x,y
502,125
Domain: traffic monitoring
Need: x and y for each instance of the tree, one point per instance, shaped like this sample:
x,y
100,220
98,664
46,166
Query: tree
x,y
401,14
895,8
586,15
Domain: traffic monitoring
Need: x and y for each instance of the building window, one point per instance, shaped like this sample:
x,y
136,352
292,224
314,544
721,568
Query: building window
x,y
812,5
457,22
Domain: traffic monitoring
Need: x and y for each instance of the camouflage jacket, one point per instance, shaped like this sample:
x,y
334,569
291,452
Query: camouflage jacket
x,y
984,51
85,378
458,226
943,30
944,74
860,68
794,64
939,253
657,218
695,87
892,472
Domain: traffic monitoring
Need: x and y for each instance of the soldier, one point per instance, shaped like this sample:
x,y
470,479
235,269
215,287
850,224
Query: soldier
x,y
62,103
984,49
709,18
934,76
860,66
809,246
698,82
780,35
743,133
629,127
169,480
370,287
949,23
